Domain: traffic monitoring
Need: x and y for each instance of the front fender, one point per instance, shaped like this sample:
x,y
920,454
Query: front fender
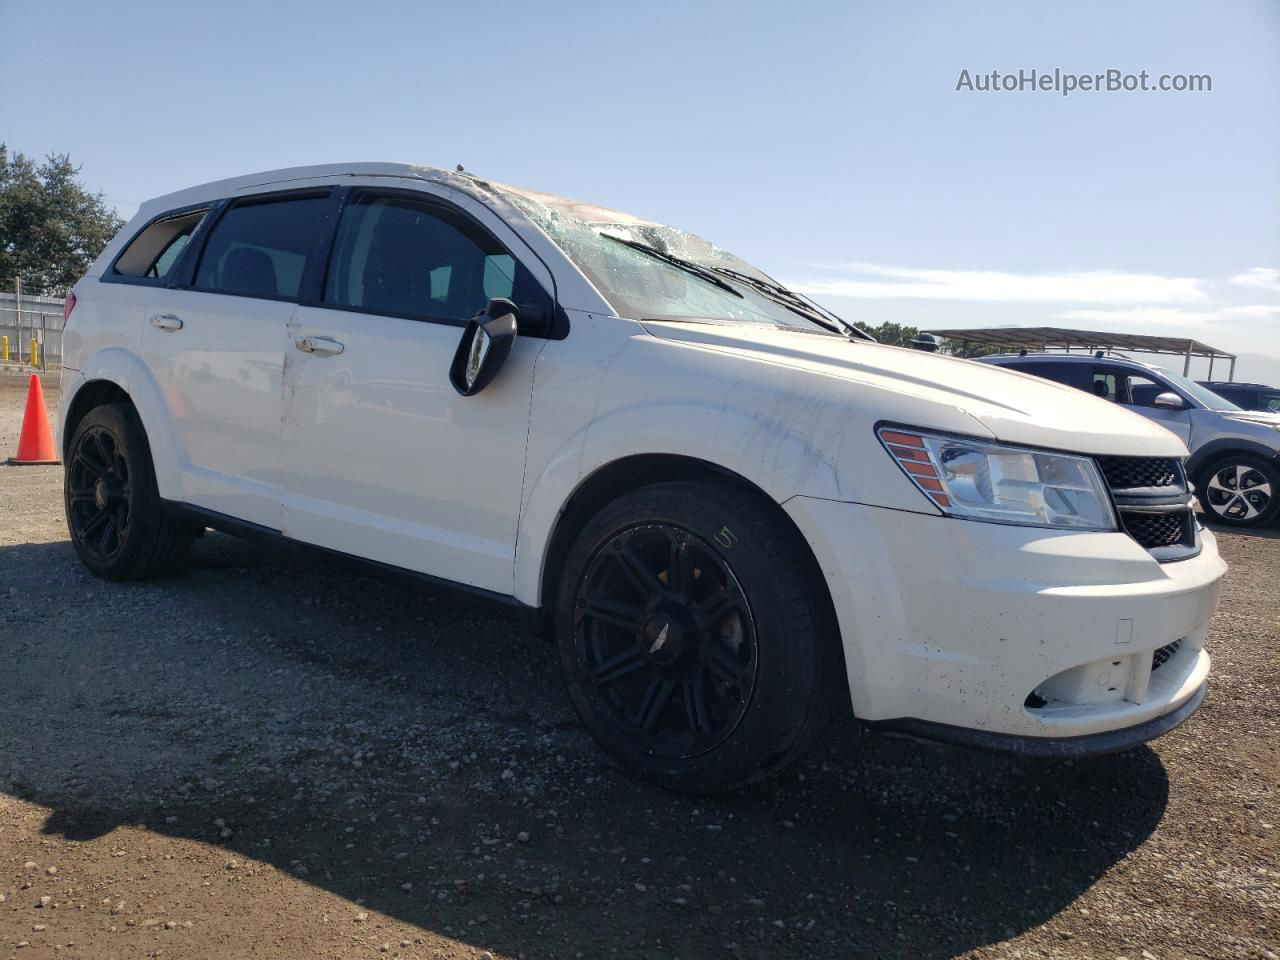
x,y
580,457
127,371
786,432
1215,449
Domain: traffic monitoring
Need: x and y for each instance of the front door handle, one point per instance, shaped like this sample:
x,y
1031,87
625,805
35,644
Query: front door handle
x,y
166,322
320,346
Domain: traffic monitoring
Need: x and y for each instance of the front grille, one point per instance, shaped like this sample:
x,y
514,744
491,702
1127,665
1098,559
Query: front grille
x,y
1131,473
1156,529
1164,654
1151,496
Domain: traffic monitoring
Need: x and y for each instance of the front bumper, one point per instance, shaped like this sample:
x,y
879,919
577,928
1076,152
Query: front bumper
x,y
1056,748
992,634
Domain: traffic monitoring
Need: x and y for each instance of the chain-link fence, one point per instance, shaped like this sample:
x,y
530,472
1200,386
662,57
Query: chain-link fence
x,y
28,320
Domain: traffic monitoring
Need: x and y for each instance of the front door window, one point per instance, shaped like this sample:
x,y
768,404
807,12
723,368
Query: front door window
x,y
403,257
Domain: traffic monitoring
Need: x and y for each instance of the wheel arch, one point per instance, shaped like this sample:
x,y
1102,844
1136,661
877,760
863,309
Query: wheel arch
x,y
1216,450
116,375
621,476
90,394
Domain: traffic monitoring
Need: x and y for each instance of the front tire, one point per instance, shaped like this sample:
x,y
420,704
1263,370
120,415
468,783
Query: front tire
x,y
1241,490
696,637
117,522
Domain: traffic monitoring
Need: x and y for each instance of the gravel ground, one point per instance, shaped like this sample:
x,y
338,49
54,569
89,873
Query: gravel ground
x,y
270,757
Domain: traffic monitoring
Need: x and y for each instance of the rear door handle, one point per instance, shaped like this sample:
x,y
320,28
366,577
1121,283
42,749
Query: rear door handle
x,y
166,322
320,346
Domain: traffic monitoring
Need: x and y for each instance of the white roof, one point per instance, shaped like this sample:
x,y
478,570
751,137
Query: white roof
x,y
465,182
281,177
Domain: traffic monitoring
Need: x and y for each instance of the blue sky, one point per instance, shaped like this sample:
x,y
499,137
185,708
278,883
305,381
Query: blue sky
x,y
825,141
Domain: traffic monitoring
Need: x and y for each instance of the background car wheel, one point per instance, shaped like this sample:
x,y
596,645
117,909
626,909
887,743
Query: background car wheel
x,y
117,523
696,636
1241,490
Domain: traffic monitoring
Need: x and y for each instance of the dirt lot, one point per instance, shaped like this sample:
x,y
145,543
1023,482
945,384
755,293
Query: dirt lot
x,y
264,757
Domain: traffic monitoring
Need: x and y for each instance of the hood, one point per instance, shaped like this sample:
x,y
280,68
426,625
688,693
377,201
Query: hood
x,y
1252,416
1007,405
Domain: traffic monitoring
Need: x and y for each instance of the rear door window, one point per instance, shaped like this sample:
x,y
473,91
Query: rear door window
x,y
1108,383
153,253
260,248
1064,373
406,257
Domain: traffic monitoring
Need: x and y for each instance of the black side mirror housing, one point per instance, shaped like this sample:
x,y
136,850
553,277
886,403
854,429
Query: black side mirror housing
x,y
485,345
533,320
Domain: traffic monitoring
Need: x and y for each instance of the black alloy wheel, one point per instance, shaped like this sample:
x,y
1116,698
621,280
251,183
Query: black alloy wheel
x,y
99,494
119,526
696,635
667,639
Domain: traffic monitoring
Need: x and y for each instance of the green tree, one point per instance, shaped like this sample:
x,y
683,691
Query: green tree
x,y
893,334
897,335
51,227
961,348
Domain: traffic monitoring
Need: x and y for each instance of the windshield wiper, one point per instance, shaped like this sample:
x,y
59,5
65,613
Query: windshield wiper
x,y
686,265
770,291
795,303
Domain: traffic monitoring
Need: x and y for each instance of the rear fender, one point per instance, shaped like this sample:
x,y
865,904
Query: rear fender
x,y
127,371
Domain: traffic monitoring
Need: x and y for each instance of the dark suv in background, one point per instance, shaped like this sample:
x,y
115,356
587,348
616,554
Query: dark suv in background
x,y
1246,396
1235,453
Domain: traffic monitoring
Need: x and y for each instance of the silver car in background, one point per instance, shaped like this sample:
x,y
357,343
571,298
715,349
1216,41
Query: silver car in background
x,y
1235,453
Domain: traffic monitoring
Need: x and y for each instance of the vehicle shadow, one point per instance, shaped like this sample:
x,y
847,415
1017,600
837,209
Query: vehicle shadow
x,y
363,737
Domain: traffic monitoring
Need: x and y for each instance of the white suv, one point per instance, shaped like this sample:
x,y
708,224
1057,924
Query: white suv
x,y
729,509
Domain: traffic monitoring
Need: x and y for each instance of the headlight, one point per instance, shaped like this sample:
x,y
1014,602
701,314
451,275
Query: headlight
x,y
1002,484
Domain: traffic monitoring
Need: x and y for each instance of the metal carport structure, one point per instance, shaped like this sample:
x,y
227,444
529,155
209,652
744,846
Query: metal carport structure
x,y
1061,338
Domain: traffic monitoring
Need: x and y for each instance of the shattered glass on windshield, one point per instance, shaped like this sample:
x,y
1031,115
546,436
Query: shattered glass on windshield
x,y
644,286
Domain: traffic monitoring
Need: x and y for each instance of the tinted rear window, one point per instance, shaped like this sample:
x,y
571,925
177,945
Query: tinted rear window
x,y
1066,373
154,251
261,248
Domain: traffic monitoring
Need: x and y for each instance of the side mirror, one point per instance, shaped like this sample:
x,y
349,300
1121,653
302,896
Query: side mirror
x,y
534,321
1169,400
485,345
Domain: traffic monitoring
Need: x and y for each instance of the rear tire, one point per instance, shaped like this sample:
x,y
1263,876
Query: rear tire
x,y
696,637
117,521
1240,490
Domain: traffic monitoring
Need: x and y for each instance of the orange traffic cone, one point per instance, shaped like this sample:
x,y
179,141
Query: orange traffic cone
x,y
35,443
